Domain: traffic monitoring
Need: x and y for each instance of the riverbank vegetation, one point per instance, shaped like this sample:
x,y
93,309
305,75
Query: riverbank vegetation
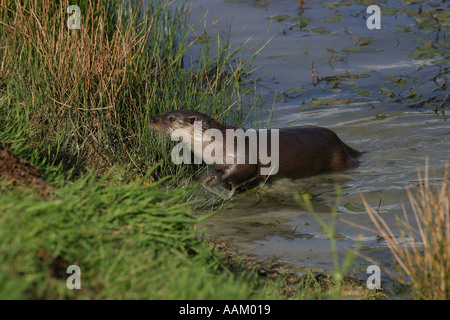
x,y
76,103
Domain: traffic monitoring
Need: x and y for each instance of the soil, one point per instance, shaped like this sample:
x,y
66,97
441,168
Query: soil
x,y
19,172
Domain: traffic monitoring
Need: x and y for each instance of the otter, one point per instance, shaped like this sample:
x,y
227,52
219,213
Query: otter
x,y
303,151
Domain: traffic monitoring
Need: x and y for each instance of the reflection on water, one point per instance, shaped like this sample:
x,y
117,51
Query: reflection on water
x,y
398,139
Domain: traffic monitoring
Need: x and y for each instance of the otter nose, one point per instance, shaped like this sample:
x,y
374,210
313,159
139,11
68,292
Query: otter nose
x,y
154,119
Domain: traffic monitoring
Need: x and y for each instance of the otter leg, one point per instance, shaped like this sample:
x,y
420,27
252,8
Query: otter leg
x,y
211,183
235,175
213,178
220,191
238,174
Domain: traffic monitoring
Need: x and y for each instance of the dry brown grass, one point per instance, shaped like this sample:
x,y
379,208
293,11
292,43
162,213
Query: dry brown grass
x,y
423,248
89,55
84,96
77,84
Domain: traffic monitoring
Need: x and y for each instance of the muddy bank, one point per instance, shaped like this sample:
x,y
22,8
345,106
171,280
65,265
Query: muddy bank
x,y
17,171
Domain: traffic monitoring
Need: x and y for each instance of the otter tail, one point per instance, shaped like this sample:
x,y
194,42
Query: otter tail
x,y
354,153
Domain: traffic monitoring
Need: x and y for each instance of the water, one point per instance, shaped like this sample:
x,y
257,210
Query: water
x,y
382,111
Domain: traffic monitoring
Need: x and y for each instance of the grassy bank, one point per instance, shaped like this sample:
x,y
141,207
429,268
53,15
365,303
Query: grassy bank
x,y
131,240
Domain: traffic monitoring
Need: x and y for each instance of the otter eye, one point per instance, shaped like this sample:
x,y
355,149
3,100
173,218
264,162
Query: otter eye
x,y
171,119
192,119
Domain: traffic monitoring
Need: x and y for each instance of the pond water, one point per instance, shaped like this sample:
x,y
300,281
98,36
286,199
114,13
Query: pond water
x,y
381,90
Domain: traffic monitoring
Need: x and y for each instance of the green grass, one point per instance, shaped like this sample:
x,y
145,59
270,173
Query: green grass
x,y
84,97
131,240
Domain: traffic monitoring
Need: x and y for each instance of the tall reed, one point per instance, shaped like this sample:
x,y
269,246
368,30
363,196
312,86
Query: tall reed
x,y
423,248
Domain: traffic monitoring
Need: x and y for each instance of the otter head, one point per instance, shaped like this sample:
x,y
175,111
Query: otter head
x,y
170,121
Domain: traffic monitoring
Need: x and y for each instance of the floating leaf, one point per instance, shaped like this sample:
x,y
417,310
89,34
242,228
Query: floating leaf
x,y
426,55
279,18
295,90
331,4
347,82
401,82
320,30
421,40
361,49
401,85
413,94
427,51
302,22
389,10
334,19
308,107
354,207
440,62
386,91
429,24
346,75
261,4
393,79
330,102
403,28
364,41
368,2
412,1
319,101
362,92
380,117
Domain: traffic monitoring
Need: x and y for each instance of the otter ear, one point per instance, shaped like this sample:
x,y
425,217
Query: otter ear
x,y
192,119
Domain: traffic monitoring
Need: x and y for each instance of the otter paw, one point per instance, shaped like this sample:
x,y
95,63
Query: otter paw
x,y
213,178
220,191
